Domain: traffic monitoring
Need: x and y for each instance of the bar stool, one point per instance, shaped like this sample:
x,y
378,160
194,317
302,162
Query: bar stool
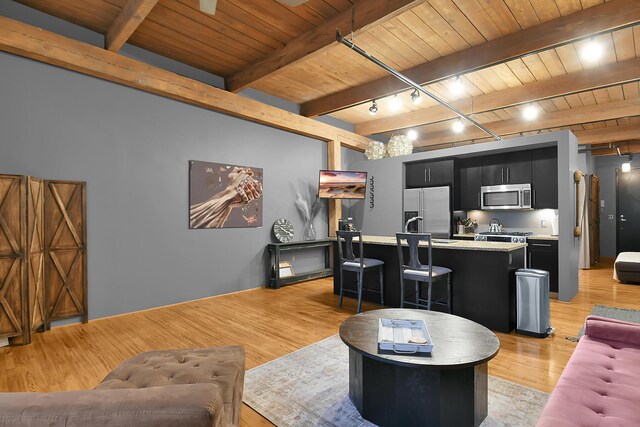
x,y
421,273
349,262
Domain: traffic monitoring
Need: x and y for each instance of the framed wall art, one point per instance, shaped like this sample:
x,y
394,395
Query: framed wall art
x,y
224,196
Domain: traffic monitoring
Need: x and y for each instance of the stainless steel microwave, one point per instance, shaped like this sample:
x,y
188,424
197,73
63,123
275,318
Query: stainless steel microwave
x,y
510,196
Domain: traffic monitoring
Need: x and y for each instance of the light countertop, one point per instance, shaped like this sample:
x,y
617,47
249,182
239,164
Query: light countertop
x,y
542,237
453,244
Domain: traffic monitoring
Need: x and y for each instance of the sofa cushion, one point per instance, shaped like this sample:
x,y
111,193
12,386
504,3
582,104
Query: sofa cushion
x,y
220,365
198,405
600,386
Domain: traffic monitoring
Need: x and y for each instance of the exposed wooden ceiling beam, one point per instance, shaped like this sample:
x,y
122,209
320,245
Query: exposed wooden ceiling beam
x,y
589,79
605,17
358,17
41,45
558,119
627,147
608,134
131,16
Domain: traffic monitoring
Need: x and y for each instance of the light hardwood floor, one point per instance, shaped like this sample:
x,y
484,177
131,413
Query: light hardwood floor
x,y
271,323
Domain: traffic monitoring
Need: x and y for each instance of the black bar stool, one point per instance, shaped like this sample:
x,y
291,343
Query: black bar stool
x,y
421,273
349,262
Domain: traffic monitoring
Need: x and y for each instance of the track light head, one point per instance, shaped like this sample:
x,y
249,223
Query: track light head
x,y
415,97
374,108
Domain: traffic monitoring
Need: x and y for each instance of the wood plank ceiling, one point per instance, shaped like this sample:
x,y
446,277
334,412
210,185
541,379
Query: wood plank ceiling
x,y
509,54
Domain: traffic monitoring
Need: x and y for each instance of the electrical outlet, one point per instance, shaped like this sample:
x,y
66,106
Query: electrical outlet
x,y
293,258
543,223
610,217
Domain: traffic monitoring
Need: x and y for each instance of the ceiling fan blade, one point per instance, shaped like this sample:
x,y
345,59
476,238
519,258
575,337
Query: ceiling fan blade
x,y
292,2
208,6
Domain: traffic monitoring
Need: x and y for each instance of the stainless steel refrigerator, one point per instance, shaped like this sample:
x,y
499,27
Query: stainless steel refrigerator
x,y
433,205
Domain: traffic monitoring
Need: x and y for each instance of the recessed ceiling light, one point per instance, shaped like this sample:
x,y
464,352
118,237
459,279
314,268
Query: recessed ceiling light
x,y
412,134
395,103
415,97
374,108
457,87
458,126
530,112
592,51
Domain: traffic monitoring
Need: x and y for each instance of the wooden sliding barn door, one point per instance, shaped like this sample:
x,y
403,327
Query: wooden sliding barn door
x,y
65,250
13,312
35,252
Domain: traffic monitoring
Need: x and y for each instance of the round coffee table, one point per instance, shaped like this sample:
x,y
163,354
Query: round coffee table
x,y
447,387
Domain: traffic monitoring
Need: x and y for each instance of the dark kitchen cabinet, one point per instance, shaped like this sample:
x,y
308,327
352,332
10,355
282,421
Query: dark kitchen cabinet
x,y
508,168
544,178
469,173
429,174
543,255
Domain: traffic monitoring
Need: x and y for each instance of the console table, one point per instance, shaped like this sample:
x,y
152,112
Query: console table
x,y
276,249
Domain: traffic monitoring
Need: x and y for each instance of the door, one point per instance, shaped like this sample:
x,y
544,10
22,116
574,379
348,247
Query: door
x,y
35,252
493,170
544,178
518,167
628,211
416,175
65,250
436,213
440,173
470,181
594,220
12,290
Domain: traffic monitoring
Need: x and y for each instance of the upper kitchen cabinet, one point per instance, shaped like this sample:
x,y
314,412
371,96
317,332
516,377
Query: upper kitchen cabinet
x,y
429,174
508,168
469,174
544,178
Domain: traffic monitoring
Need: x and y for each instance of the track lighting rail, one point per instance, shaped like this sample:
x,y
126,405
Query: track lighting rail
x,y
411,83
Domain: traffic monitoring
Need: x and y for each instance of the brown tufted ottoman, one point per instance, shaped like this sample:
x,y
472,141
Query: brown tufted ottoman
x,y
191,387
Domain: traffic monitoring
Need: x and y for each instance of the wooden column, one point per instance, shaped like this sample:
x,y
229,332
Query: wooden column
x,y
334,161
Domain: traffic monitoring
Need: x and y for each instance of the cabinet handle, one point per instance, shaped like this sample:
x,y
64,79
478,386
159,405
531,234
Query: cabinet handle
x,y
541,244
508,175
429,174
502,176
425,175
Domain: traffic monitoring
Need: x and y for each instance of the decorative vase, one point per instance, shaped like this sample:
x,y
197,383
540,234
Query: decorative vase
x,y
309,233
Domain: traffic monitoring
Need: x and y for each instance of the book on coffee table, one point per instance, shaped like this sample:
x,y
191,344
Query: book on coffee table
x,y
404,336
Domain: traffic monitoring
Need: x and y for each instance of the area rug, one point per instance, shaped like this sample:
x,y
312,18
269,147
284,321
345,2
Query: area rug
x,y
310,387
626,314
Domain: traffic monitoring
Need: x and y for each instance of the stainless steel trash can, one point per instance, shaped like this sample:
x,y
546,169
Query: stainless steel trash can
x,y
532,308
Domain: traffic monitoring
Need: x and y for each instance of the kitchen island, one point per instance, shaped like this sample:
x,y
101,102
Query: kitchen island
x,y
482,282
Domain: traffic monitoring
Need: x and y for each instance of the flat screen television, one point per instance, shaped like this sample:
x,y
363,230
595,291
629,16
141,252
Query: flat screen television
x,y
342,184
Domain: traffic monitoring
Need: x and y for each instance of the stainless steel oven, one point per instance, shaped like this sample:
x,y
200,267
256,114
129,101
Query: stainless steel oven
x,y
509,196
505,236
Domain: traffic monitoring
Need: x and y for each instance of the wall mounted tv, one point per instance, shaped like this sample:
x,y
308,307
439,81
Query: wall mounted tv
x,y
342,184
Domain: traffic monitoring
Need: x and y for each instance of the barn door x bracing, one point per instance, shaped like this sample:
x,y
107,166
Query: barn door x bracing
x,y
65,250
12,236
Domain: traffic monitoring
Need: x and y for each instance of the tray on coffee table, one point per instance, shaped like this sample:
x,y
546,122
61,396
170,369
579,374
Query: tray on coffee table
x,y
404,336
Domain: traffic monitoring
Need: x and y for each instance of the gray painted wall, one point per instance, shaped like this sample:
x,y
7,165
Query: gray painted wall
x,y
132,148
386,217
606,170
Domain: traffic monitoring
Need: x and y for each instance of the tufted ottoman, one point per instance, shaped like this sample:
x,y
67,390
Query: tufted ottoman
x,y
600,386
166,388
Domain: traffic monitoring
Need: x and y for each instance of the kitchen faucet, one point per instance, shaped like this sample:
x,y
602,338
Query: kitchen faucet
x,y
406,225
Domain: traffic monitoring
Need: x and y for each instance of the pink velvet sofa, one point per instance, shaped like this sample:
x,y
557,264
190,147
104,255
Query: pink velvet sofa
x,y
600,386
